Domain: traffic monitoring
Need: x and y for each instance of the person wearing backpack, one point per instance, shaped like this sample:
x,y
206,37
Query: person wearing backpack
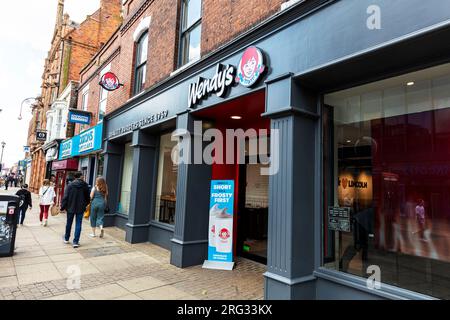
x,y
24,202
46,199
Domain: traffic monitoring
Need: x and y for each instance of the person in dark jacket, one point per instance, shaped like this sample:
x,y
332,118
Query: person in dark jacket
x,y
75,200
25,202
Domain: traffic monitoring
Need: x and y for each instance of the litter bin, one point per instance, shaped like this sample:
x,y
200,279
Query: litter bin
x,y
9,215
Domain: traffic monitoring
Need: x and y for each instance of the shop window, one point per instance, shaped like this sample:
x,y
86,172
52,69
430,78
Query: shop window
x,y
140,69
387,166
127,171
100,165
102,104
191,29
167,182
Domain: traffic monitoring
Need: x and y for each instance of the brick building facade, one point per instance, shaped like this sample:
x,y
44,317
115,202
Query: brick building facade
x,y
222,21
72,46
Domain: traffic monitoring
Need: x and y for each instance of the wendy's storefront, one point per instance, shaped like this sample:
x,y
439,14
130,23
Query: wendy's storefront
x,y
358,107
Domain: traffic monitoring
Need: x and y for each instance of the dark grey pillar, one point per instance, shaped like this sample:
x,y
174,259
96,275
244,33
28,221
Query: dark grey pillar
x,y
291,245
142,186
190,241
111,172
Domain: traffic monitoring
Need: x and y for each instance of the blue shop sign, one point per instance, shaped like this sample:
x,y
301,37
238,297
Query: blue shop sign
x,y
79,117
86,142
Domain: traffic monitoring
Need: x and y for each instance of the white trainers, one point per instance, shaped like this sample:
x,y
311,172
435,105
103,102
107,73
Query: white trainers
x,y
45,223
92,235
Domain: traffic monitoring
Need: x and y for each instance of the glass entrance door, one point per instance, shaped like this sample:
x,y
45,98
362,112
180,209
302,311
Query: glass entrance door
x,y
253,213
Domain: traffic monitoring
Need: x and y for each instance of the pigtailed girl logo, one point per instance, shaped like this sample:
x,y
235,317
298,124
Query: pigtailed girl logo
x,y
250,67
110,82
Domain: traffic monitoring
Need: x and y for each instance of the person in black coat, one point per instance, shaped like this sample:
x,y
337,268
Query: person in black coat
x,y
75,200
25,202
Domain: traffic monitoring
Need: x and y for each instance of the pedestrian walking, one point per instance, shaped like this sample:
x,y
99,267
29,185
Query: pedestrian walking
x,y
24,202
46,199
99,196
75,201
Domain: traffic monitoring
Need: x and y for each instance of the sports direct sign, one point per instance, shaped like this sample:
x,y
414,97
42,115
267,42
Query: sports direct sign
x,y
86,142
220,230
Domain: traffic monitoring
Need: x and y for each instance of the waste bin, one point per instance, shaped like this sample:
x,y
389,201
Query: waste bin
x,y
9,216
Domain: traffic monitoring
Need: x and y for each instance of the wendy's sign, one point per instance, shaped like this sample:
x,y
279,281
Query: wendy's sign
x,y
251,67
218,84
110,82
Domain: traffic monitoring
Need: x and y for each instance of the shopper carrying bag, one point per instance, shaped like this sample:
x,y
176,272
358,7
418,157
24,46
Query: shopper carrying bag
x,y
46,199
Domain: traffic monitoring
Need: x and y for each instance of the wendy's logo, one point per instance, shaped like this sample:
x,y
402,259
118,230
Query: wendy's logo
x,y
110,82
224,234
250,67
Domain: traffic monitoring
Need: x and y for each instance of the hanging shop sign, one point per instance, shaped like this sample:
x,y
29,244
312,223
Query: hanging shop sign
x,y
41,135
86,142
251,67
339,219
110,82
139,124
26,149
79,117
220,239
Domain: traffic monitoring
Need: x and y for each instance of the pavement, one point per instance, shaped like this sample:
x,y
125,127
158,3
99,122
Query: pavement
x,y
43,267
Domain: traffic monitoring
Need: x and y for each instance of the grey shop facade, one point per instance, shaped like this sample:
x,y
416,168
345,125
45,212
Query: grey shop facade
x,y
364,173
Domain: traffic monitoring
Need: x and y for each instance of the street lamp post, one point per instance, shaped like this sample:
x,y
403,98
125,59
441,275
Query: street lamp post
x,y
1,157
21,106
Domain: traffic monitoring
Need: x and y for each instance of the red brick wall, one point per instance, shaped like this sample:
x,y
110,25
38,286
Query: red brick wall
x,y
224,20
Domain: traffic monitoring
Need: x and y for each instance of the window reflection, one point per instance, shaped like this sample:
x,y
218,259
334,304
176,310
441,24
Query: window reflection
x,y
389,163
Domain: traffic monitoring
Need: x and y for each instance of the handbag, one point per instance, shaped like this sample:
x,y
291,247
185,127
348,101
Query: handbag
x,y
87,212
54,211
106,208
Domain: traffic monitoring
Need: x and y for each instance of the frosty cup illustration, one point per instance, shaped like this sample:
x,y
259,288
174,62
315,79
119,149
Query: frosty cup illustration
x,y
213,212
224,229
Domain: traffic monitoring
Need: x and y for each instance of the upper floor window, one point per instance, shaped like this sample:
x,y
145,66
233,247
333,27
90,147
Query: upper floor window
x,y
84,99
103,96
191,29
140,69
102,104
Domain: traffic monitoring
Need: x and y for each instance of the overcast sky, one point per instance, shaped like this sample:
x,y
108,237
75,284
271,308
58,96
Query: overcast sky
x,y
26,29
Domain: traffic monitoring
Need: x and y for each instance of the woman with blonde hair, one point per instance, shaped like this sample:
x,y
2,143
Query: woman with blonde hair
x,y
46,199
99,196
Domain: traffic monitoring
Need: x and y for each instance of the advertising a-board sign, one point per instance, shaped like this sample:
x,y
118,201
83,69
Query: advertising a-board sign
x,y
220,230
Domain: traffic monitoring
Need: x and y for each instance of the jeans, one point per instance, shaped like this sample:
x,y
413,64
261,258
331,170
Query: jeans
x,y
78,223
97,213
22,212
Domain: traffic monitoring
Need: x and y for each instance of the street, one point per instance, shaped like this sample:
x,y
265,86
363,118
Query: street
x,y
43,267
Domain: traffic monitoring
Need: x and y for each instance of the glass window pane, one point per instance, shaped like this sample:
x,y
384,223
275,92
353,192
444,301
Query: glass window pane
x,y
167,182
192,12
127,171
143,44
191,45
389,168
